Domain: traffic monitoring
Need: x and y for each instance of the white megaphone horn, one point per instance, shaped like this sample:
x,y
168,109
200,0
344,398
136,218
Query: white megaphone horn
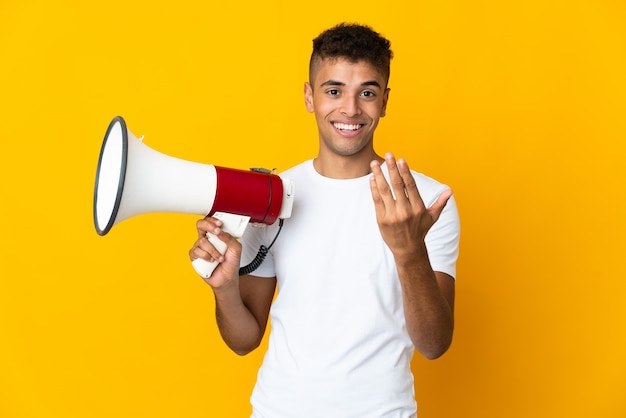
x,y
134,179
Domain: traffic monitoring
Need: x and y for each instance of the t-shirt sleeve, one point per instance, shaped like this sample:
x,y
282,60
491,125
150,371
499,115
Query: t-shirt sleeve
x,y
442,241
251,241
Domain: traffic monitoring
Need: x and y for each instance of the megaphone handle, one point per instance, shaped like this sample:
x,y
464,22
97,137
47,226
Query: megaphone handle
x,y
235,225
205,268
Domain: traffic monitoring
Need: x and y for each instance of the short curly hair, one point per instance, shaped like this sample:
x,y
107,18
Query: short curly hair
x,y
353,42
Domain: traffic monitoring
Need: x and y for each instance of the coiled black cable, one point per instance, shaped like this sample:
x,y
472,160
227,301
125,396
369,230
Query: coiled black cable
x,y
260,257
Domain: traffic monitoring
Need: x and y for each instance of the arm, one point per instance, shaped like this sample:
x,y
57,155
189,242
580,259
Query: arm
x,y
242,303
428,296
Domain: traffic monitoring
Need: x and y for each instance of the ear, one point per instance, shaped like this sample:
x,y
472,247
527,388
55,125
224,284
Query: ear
x,y
385,100
308,97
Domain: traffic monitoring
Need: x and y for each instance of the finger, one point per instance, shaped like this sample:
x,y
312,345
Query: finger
x,y
396,181
441,202
206,249
198,252
207,224
410,187
203,249
379,205
382,186
379,187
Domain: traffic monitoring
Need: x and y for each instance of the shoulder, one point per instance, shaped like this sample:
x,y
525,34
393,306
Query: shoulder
x,y
427,182
298,170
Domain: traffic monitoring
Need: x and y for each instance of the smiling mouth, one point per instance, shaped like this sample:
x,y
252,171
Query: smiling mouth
x,y
347,126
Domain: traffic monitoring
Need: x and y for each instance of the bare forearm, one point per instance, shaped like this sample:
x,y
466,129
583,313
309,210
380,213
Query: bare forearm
x,y
238,327
429,314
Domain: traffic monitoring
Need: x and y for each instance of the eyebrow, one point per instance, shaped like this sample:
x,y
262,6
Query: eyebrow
x,y
339,83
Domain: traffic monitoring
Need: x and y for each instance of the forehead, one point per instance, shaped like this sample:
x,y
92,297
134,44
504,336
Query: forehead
x,y
346,72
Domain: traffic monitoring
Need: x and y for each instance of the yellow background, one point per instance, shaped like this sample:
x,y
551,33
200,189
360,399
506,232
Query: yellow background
x,y
518,105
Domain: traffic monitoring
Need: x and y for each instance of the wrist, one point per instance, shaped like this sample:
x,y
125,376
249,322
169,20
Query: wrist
x,y
226,289
412,256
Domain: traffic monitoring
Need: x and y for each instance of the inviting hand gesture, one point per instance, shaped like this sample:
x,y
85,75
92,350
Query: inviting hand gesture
x,y
402,217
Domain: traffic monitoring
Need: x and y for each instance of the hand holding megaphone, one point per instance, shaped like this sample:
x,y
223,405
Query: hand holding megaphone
x,y
134,179
235,225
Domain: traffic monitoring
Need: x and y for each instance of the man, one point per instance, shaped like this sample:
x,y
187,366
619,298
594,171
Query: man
x,y
365,266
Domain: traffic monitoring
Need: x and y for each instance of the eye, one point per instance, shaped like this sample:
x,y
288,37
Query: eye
x,y
368,93
333,92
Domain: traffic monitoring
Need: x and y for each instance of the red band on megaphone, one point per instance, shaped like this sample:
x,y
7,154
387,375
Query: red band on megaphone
x,y
249,193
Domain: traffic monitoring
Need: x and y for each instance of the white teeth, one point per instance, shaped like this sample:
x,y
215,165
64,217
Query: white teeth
x,y
346,127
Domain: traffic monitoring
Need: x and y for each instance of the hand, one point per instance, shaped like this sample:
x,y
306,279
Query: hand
x,y
228,268
403,221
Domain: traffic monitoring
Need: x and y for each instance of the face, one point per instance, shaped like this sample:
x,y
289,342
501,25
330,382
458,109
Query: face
x,y
347,99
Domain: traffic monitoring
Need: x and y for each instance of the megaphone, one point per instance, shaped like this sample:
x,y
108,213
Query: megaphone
x,y
134,179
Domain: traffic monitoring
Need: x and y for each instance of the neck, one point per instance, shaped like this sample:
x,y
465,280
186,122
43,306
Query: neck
x,y
345,167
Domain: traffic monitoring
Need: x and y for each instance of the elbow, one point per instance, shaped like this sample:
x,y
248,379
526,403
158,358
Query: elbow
x,y
243,350
435,348
434,354
434,342
241,353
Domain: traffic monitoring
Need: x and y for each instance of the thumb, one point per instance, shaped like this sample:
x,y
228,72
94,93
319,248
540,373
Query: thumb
x,y
441,202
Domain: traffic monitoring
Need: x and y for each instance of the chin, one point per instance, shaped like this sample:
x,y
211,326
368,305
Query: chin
x,y
348,150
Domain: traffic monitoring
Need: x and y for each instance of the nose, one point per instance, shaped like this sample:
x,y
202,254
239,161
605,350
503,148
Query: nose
x,y
350,106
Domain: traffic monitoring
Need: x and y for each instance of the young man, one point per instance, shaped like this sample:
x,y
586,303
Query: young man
x,y
365,266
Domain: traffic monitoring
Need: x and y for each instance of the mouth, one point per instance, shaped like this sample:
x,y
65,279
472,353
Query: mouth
x,y
347,127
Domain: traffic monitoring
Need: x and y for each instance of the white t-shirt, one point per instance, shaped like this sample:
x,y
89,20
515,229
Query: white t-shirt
x,y
338,343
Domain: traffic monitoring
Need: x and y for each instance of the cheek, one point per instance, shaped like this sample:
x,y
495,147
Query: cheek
x,y
322,109
376,110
